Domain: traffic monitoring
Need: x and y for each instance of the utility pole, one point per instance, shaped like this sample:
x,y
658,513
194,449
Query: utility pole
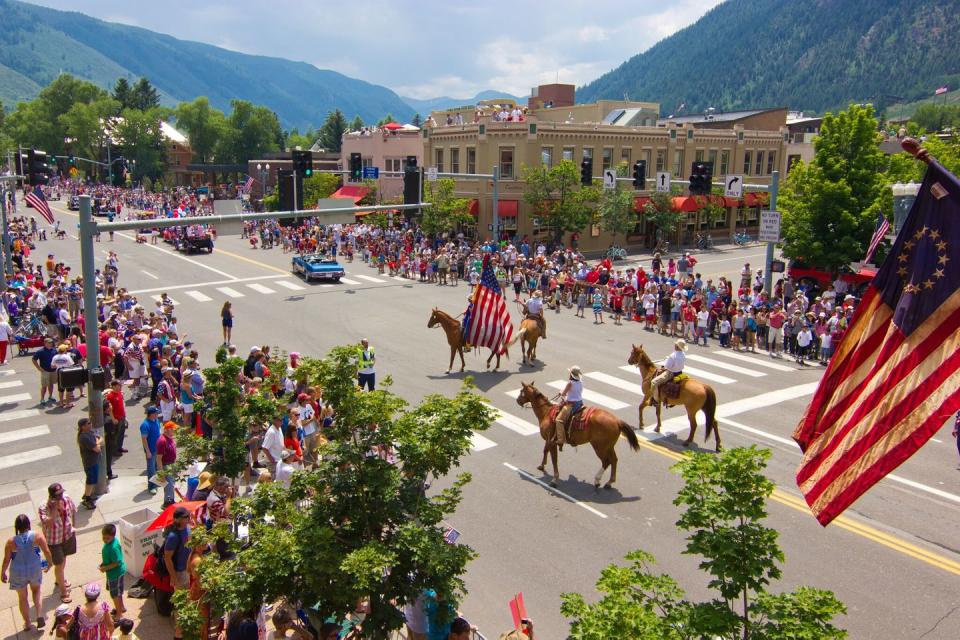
x,y
496,202
767,275
6,245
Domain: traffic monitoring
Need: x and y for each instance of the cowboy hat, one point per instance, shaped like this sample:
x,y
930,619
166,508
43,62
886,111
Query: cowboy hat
x,y
575,372
680,344
204,480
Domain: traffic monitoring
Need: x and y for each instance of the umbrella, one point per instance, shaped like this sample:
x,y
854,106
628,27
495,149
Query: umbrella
x,y
166,518
392,126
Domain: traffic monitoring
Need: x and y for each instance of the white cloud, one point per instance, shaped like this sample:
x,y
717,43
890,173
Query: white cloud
x,y
591,33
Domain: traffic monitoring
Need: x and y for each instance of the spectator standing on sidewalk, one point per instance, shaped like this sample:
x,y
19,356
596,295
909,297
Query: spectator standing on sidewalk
x,y
89,444
57,517
119,410
176,553
26,570
167,455
150,434
6,338
43,361
113,567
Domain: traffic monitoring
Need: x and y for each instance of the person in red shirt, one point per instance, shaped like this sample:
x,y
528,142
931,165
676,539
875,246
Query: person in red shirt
x,y
776,320
629,298
115,397
616,302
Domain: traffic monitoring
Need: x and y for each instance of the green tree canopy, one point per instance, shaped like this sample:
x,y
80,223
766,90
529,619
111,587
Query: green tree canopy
x,y
356,124
204,126
139,137
37,123
331,133
615,211
251,132
319,185
143,96
555,194
84,125
448,211
660,212
123,94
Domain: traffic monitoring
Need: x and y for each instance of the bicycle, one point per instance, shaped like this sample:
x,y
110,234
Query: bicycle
x,y
662,247
704,242
616,252
31,326
741,238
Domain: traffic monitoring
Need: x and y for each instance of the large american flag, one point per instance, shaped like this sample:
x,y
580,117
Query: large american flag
x,y
883,226
37,201
895,378
487,321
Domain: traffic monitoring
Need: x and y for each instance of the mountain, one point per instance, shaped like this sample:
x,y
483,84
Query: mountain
x,y
37,43
805,54
423,107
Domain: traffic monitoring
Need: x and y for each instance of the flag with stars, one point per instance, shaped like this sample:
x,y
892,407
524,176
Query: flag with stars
x,y
487,321
895,377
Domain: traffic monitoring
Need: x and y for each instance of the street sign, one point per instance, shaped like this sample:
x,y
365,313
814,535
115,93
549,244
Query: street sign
x,y
609,179
733,186
663,182
371,173
432,174
769,226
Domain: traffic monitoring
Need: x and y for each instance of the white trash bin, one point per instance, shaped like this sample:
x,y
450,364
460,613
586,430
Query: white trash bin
x,y
135,541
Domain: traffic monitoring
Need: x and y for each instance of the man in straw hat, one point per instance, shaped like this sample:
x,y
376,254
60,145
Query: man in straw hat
x,y
534,309
673,365
572,397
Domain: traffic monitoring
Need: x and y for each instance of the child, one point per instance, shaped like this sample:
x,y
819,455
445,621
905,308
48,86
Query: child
x,y
616,301
581,302
825,347
725,332
125,630
112,565
597,307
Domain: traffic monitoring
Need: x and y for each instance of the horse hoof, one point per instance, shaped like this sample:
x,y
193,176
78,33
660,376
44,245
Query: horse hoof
x,y
686,443
448,372
657,430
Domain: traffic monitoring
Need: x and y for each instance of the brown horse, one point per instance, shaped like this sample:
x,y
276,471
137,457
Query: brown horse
x,y
694,396
451,326
602,432
528,335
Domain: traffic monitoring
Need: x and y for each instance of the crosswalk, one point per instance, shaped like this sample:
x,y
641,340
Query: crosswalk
x,y
21,427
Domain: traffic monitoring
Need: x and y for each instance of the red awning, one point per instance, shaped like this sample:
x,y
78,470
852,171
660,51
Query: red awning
x,y
474,207
508,208
392,126
731,202
755,199
354,192
685,203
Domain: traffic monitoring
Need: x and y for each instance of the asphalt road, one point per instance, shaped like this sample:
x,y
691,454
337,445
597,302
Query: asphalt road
x,y
893,560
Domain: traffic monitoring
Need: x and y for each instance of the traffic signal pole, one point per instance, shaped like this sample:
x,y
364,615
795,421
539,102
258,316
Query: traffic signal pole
x,y
496,210
767,275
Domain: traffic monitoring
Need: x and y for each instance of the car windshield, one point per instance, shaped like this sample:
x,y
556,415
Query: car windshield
x,y
320,260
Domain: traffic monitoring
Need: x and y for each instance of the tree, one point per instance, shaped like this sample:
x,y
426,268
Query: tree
x,y
660,212
356,124
417,121
251,132
123,94
203,125
385,120
358,526
139,137
85,125
615,211
448,211
830,206
934,117
331,133
319,185
37,123
143,96
724,500
555,195
710,210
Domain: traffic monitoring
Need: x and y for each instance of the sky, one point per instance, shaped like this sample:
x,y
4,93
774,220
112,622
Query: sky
x,y
420,49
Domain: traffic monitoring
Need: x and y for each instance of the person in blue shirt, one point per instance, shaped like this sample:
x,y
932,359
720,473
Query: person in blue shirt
x,y
149,434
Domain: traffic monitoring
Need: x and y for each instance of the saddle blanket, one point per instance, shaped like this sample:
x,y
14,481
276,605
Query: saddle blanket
x,y
671,389
580,419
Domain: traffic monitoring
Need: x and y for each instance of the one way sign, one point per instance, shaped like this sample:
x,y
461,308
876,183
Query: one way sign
x,y
733,186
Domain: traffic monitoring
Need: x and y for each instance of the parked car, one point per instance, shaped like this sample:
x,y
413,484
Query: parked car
x,y
317,266
73,204
818,279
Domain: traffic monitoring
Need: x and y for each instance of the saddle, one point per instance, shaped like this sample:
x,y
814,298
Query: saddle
x,y
670,390
576,422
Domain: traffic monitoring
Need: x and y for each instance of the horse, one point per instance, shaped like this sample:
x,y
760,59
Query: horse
x,y
451,326
694,396
528,335
602,432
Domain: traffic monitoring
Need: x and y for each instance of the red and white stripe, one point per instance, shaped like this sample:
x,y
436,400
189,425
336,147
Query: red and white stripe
x,y
490,324
877,238
39,203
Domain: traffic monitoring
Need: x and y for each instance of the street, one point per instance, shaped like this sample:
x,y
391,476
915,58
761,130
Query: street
x,y
896,545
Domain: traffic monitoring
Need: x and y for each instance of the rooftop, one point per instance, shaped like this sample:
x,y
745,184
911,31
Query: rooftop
x,y
715,116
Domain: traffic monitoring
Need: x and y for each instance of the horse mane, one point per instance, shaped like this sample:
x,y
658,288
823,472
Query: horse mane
x,y
645,360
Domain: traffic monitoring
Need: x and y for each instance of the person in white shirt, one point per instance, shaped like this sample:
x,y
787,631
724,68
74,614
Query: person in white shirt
x,y
673,366
804,338
534,309
285,468
572,398
273,441
703,320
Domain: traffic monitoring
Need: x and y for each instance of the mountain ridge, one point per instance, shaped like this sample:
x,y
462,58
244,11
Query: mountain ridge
x,y
426,105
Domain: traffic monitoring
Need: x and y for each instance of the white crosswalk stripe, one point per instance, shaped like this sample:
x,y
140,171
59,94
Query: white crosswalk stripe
x,y
592,397
232,293
349,281
6,373
11,384
370,279
614,381
706,375
17,397
478,443
25,457
20,414
259,288
23,434
515,424
293,286
157,297
723,365
759,362
198,296
400,278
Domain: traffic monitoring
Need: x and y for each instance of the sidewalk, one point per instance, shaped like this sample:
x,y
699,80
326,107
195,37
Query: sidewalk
x,y
127,494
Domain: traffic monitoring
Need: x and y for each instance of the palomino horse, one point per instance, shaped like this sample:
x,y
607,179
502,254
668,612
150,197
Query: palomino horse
x,y
694,395
602,432
528,335
451,326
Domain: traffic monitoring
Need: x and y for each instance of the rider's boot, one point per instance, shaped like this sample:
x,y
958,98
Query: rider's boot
x,y
543,328
560,431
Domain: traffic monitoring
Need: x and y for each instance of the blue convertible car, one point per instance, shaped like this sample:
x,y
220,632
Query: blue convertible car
x,y
317,266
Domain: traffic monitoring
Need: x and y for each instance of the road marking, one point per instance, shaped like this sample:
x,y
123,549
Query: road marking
x,y
293,286
754,361
554,490
17,397
616,382
765,400
26,457
147,273
158,298
11,384
349,281
269,267
198,296
177,255
259,288
730,367
23,434
18,415
518,425
937,441
7,372
479,443
706,375
370,279
204,284
400,278
593,397
227,291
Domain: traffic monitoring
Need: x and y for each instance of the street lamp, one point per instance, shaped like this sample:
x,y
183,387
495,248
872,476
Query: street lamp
x,y
904,195
264,171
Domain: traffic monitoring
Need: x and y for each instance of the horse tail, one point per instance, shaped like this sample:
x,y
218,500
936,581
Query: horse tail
x,y
631,437
516,336
709,410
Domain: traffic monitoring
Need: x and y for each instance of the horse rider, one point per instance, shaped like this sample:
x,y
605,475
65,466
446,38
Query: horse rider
x,y
673,366
534,309
572,397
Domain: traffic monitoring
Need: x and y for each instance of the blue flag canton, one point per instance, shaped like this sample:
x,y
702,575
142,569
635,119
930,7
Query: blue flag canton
x,y
921,271
488,279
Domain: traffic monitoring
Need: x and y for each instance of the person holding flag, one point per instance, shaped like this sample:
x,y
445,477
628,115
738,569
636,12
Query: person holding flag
x,y
36,200
486,322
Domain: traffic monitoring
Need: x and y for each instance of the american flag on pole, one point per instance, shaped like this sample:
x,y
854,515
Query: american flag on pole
x,y
883,226
940,90
451,535
895,378
487,321
37,201
246,185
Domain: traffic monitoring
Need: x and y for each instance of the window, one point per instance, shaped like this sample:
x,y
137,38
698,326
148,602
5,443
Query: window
x,y
392,164
506,163
471,160
747,157
661,159
758,167
546,157
724,162
771,162
712,159
699,156
439,162
625,156
367,162
678,163
454,160
607,158
587,153
568,153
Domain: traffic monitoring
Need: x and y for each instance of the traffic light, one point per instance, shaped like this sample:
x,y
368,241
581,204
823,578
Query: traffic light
x,y
411,181
701,178
586,172
287,183
356,167
639,174
38,171
302,163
